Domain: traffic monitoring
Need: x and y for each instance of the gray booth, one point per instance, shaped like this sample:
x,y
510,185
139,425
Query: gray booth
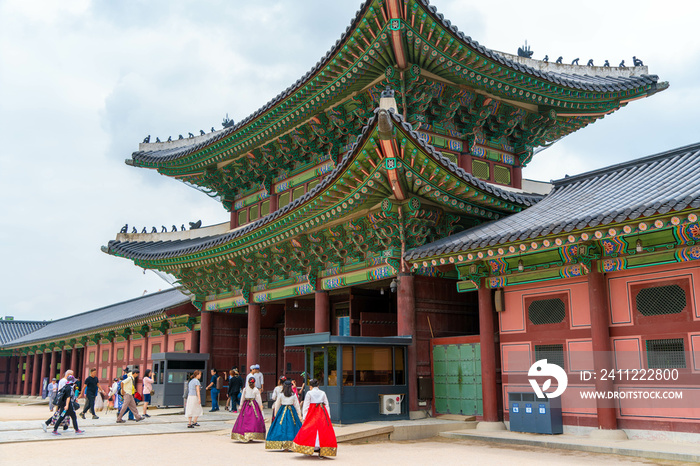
x,y
365,378
170,371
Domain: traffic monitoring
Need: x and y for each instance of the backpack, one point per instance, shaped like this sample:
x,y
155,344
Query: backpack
x,y
219,383
61,395
58,397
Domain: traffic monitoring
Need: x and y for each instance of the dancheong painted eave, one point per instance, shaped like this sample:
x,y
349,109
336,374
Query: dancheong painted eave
x,y
363,53
154,253
655,185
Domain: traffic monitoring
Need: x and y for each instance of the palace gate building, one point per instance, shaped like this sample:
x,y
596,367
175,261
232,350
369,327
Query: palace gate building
x,y
381,196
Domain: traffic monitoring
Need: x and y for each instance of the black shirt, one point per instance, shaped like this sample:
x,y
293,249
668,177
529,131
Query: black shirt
x,y
235,384
91,386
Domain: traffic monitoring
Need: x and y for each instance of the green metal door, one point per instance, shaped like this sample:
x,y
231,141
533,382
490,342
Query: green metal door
x,y
457,378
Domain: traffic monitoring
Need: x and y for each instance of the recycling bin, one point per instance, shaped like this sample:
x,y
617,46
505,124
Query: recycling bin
x,y
535,415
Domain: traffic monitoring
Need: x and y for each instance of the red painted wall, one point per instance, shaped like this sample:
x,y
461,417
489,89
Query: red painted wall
x,y
629,331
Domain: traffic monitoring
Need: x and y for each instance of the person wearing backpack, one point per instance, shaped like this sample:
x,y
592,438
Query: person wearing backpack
x,y
128,390
65,405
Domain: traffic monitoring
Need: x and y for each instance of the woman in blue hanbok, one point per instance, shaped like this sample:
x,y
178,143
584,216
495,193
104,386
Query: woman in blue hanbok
x,y
286,420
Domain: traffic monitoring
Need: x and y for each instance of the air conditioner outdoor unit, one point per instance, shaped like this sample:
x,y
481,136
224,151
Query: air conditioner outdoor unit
x,y
390,404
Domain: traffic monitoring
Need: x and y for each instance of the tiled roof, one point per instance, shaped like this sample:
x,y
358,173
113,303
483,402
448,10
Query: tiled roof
x,y
127,311
658,184
573,80
153,250
14,329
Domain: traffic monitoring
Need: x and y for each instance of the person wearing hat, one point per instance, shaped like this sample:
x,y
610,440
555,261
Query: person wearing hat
x,y
65,405
52,389
257,375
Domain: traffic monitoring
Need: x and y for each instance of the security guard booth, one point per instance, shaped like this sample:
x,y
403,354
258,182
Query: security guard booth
x,y
170,372
365,378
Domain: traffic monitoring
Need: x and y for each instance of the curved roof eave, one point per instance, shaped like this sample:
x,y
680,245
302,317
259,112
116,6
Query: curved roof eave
x,y
645,187
178,248
579,82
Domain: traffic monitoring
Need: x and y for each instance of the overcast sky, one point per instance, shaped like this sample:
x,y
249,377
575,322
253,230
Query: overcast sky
x,y
83,82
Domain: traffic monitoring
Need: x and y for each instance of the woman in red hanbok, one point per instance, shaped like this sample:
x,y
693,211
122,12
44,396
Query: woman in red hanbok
x,y
316,433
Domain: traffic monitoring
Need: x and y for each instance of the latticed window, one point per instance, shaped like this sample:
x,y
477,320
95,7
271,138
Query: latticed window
x,y
661,300
451,157
137,352
501,174
254,212
284,199
480,169
120,354
554,354
546,311
265,208
105,355
179,346
666,353
298,192
242,217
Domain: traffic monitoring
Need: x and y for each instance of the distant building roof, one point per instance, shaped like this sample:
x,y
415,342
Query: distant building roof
x,y
14,329
661,183
127,311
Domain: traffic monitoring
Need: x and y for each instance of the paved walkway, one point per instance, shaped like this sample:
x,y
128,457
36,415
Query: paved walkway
x,y
169,421
652,449
166,421
172,421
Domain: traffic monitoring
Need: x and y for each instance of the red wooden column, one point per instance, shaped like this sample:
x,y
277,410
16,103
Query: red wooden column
x,y
44,370
600,336
54,362
406,326
74,364
35,375
253,334
27,374
489,387
322,312
64,361
144,353
20,366
205,332
8,376
112,363
127,354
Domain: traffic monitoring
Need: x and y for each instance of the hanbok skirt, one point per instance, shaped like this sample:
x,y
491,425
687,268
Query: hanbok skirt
x,y
316,432
250,424
283,429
